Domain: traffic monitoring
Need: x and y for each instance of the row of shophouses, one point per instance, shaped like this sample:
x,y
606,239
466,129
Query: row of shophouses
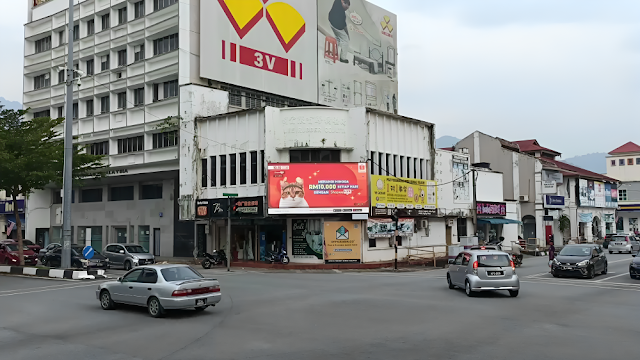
x,y
326,185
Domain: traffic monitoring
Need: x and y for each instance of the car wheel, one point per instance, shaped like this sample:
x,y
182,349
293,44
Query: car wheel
x,y
606,268
206,264
632,276
555,273
451,286
105,300
127,265
44,263
610,252
201,308
591,273
467,289
514,293
155,308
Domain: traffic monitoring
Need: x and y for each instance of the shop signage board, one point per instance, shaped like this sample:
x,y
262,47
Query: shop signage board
x,y
600,196
323,188
484,208
549,187
553,202
306,243
385,228
342,242
6,207
357,55
240,208
389,192
552,176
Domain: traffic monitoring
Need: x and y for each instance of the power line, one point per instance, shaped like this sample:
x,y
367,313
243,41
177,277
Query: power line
x,y
408,182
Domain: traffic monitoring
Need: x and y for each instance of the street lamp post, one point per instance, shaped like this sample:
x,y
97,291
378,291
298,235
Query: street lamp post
x,y
68,151
229,256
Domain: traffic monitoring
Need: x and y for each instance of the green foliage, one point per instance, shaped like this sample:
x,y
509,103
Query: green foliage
x,y
564,223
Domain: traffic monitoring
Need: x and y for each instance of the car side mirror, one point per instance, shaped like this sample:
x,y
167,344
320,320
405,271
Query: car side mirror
x,y
451,261
121,251
119,279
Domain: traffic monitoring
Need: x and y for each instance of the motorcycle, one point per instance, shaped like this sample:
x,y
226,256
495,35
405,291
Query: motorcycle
x,y
281,257
517,260
217,257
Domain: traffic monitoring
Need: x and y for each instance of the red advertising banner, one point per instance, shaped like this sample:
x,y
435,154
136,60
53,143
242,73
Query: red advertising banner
x,y
318,188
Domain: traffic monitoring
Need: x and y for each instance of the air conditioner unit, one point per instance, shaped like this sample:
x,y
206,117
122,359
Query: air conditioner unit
x,y
524,198
422,224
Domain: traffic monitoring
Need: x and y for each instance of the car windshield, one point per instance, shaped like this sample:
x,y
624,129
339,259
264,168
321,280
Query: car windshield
x,y
14,247
136,249
619,238
493,260
28,242
575,251
180,273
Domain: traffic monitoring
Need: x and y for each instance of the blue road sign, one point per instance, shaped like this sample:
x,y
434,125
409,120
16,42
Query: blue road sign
x,y
88,252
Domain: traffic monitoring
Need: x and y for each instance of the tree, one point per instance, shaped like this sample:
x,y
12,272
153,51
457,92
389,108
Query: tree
x,y
32,157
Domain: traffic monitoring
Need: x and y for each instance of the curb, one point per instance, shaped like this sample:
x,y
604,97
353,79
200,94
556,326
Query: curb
x,y
54,273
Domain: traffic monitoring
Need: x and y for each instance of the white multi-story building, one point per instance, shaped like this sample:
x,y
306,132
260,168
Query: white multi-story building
x,y
623,163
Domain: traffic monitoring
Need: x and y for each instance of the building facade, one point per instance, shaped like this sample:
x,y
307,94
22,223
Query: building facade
x,y
623,163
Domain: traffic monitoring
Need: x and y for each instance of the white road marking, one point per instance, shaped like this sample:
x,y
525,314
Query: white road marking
x,y
19,292
611,277
585,284
36,288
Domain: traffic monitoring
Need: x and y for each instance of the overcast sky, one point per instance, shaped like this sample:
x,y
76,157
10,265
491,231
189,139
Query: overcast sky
x,y
566,72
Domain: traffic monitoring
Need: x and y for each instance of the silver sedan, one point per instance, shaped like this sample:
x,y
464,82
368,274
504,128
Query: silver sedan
x,y
159,288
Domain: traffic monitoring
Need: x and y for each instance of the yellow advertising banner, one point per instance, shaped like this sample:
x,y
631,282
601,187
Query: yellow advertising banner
x,y
342,241
388,192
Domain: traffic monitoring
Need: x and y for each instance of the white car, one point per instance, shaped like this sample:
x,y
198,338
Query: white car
x,y
624,243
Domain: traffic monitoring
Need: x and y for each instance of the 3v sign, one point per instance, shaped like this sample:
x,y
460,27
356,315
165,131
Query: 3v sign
x,y
264,61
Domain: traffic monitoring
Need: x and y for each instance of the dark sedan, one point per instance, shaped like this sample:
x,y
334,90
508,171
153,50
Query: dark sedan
x,y
54,259
634,267
580,260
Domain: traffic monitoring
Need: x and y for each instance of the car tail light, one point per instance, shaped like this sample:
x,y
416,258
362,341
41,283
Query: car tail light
x,y
188,292
475,265
513,266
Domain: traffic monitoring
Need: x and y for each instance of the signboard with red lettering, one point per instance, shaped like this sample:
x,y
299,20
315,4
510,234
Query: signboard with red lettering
x,y
484,208
264,45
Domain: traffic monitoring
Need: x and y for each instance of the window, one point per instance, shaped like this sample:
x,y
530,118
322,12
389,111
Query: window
x,y
203,173
121,193
104,62
415,169
60,38
243,168
253,100
254,167
213,170
41,81
372,243
401,166
138,9
613,163
131,144
388,165
150,191
89,107
104,104
40,114
61,77
122,100
138,96
100,148
132,276
90,67
76,32
138,52
235,98
90,195
122,57
165,44
372,157
223,170
622,194
264,173
462,227
165,139
637,161
380,171
161,4
122,15
43,44
629,162
149,276
465,259
621,162
395,165
60,111
75,110
76,74
301,156
106,22
232,169
91,27
170,89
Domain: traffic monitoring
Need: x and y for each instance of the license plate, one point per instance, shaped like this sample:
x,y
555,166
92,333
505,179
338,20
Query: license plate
x,y
567,268
201,302
495,273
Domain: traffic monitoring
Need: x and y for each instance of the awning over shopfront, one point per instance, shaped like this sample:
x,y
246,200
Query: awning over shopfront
x,y
496,221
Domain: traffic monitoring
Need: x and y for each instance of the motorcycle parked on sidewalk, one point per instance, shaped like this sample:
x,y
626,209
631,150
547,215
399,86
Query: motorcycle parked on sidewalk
x,y
217,257
280,257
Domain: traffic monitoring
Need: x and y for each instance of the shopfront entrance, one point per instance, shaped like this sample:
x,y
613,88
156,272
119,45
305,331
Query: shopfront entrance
x,y
273,237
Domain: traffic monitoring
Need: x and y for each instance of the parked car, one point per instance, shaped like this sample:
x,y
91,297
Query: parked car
x,y
634,267
32,246
159,288
624,243
483,270
53,258
128,255
46,249
585,260
9,254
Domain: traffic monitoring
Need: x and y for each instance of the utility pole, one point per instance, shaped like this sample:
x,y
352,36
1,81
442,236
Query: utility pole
x,y
475,204
68,151
229,255
396,239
